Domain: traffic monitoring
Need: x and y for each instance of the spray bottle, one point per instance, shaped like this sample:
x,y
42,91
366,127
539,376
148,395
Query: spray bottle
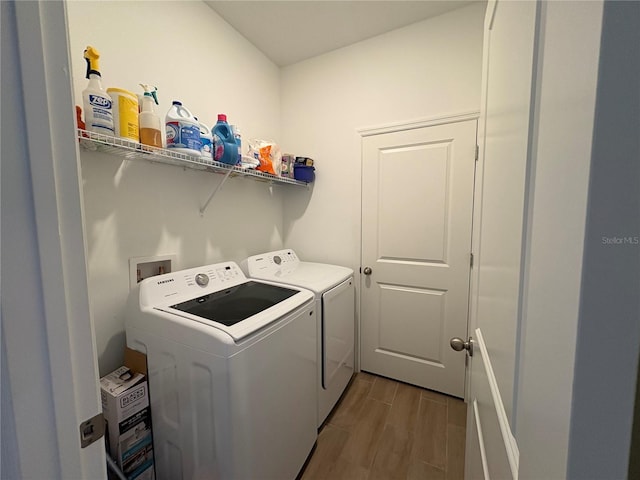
x,y
150,125
98,113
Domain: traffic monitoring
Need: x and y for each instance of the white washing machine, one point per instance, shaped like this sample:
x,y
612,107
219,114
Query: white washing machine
x,y
231,373
334,291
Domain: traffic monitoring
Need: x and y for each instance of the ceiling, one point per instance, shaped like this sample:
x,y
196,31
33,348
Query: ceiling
x,y
291,31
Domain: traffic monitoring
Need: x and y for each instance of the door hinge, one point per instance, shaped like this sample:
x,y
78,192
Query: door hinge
x,y
92,430
471,260
477,152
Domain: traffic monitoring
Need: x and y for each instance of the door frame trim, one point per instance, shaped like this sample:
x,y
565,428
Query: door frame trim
x,y
490,13
418,123
52,150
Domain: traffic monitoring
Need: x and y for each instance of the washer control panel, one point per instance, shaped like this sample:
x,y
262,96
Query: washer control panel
x,y
272,263
191,282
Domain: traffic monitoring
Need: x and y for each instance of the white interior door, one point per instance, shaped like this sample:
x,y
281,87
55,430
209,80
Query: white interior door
x,y
417,197
499,234
48,339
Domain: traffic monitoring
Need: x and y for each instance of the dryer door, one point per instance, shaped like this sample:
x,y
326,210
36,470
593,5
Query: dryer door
x,y
338,332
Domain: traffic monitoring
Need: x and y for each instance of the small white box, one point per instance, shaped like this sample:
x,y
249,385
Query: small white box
x,y
125,404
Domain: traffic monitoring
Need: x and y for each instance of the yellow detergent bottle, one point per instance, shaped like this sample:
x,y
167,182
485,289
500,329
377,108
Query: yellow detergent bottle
x,y
125,113
98,106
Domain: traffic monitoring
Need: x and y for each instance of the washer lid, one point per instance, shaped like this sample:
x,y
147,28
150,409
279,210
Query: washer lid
x,y
237,303
317,277
242,309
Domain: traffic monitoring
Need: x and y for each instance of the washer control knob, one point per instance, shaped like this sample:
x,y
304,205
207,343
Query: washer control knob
x,y
277,260
202,279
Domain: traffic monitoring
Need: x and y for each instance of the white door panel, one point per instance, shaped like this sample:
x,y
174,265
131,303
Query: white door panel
x,y
497,445
475,456
427,221
504,164
417,208
504,131
403,328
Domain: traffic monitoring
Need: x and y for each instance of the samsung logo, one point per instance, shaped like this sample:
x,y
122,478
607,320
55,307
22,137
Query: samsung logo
x,y
165,281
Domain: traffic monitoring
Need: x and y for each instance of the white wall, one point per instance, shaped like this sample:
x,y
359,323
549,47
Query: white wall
x,y
138,209
430,68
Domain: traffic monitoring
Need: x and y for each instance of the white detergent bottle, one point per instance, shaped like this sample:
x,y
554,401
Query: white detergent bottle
x,y
98,107
206,150
149,121
183,130
238,136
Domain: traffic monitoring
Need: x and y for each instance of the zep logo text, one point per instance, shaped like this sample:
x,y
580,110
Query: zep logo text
x,y
99,101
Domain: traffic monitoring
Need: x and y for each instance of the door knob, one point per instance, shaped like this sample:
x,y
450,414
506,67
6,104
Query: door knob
x,y
367,270
458,345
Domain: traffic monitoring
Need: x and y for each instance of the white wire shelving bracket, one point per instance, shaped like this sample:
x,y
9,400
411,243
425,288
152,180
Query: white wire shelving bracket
x,y
136,151
213,194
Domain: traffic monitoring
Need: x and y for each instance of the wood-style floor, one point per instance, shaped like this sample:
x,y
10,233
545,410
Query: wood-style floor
x,y
383,429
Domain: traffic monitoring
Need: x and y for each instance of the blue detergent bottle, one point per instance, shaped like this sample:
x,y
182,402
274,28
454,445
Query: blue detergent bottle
x,y
225,148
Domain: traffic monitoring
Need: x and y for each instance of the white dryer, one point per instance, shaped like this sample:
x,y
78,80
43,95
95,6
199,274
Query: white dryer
x,y
231,373
334,291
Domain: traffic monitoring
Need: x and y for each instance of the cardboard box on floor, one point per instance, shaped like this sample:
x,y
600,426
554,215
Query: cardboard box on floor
x,y
125,404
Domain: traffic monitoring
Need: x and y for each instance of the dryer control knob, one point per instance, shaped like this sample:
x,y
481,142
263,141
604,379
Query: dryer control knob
x,y
202,279
277,260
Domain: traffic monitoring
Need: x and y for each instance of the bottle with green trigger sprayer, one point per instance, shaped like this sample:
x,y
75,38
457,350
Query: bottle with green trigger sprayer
x,y
150,124
98,113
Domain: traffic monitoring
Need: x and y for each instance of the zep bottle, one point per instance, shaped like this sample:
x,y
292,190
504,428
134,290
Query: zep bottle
x,y
98,106
225,148
183,130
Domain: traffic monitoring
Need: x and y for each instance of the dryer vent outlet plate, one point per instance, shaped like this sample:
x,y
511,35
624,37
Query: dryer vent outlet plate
x,y
145,267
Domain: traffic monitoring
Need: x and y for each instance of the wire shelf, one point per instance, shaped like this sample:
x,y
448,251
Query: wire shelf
x,y
136,151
